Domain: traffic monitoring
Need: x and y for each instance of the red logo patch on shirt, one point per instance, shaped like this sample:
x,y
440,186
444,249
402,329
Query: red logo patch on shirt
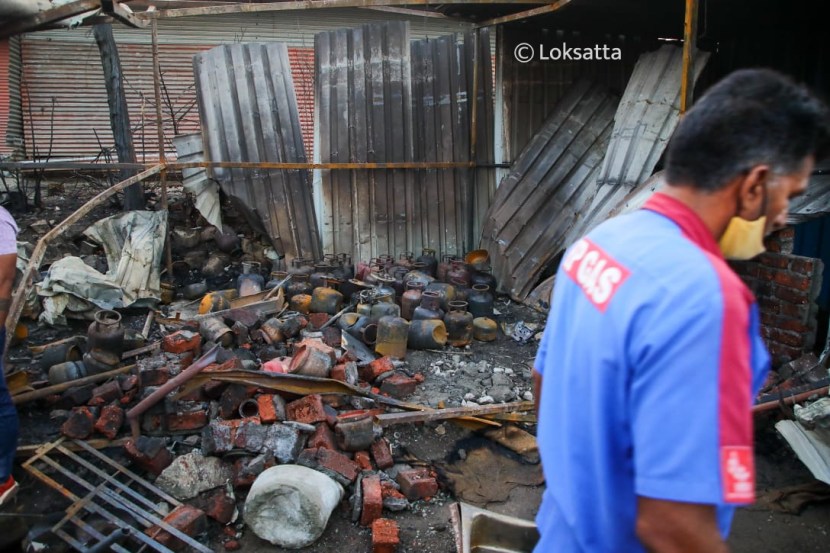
x,y
738,470
597,273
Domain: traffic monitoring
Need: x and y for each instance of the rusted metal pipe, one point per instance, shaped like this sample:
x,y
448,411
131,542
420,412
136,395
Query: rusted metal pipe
x,y
788,400
689,45
191,371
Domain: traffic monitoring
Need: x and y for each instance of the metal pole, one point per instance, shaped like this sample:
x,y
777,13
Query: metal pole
x,y
472,181
168,255
689,46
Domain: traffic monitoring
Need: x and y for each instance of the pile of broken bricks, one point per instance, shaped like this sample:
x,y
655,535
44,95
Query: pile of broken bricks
x,y
234,432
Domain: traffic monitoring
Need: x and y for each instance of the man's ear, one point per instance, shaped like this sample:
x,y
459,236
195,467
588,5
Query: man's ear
x,y
751,192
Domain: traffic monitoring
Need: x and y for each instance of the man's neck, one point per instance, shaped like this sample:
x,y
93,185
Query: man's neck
x,y
714,208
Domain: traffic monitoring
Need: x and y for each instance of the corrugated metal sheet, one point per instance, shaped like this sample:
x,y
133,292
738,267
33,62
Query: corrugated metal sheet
x,y
543,198
531,90
384,99
205,191
248,110
815,202
364,114
557,192
648,113
14,129
64,65
4,96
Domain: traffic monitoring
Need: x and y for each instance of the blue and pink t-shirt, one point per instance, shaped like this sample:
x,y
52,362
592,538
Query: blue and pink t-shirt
x,y
651,358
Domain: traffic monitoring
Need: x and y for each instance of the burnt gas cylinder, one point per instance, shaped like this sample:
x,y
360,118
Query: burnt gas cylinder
x,y
215,265
184,239
383,309
59,354
444,267
429,260
300,303
430,307
369,334
276,279
346,266
168,292
462,291
250,282
271,331
227,241
351,287
385,288
405,260
427,334
214,330
391,339
481,301
398,273
355,433
66,372
484,277
367,299
459,271
216,301
353,323
311,361
484,329
445,291
322,272
195,290
106,332
300,266
290,324
326,300
98,361
411,299
418,277
459,323
299,284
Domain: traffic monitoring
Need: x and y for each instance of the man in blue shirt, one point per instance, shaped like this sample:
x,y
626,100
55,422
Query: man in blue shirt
x,y
652,354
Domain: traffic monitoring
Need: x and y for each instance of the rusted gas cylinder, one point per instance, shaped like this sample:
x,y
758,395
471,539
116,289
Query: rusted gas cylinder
x,y
106,332
429,260
346,265
250,282
276,278
300,266
430,307
392,335
300,303
322,272
216,301
462,291
444,267
484,277
216,331
60,353
411,299
484,329
299,284
427,334
352,323
385,288
459,323
326,299
355,433
383,309
445,291
66,372
481,301
459,271
310,361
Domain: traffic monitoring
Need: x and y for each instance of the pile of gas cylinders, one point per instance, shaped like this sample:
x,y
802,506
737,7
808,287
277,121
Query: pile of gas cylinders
x,y
395,304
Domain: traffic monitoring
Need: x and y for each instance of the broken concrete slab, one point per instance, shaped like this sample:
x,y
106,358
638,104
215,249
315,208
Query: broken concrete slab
x,y
193,473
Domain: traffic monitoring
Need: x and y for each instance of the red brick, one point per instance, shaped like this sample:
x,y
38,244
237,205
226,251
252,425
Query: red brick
x,y
332,336
231,399
154,376
790,280
151,454
338,372
232,545
389,490
370,372
792,296
372,500
79,425
419,378
106,393
308,409
110,421
803,266
217,504
382,454
189,420
399,386
792,325
776,261
331,460
181,341
77,395
322,437
385,536
187,519
318,344
128,397
417,484
267,408
129,382
363,460
318,319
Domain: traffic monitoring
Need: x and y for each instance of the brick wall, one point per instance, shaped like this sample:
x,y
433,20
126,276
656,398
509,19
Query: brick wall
x,y
302,71
786,287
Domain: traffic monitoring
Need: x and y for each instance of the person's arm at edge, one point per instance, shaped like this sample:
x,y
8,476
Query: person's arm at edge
x,y
675,527
537,390
7,272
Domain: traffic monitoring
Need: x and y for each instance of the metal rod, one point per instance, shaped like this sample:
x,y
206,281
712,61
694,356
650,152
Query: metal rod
x,y
789,400
473,174
168,254
689,44
525,14
453,412
191,371
329,166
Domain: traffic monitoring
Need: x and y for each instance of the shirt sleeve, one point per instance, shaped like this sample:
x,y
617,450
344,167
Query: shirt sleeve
x,y
690,397
8,233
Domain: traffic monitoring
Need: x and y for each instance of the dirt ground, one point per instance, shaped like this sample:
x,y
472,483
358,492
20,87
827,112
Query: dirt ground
x,y
501,370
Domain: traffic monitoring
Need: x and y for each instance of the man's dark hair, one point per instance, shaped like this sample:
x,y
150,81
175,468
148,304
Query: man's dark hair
x,y
751,117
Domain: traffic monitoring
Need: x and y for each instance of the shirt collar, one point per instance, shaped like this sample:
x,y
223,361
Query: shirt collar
x,y
689,222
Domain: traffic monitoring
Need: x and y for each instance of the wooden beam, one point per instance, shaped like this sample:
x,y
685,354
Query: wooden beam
x,y
45,17
310,4
452,413
550,8
123,14
689,47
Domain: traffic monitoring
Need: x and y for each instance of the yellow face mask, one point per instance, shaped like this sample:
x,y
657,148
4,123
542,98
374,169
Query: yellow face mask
x,y
743,239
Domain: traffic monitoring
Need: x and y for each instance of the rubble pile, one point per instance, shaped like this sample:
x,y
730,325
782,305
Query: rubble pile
x,y
293,370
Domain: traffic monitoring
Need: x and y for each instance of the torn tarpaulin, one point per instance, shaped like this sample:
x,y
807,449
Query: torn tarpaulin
x,y
133,243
